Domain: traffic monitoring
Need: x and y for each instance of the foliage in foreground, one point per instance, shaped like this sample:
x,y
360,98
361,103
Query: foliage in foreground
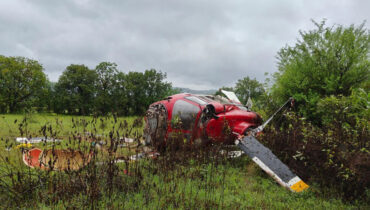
x,y
191,180
188,177
336,156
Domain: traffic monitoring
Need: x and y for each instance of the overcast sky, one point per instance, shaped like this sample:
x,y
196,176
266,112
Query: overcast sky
x,y
199,44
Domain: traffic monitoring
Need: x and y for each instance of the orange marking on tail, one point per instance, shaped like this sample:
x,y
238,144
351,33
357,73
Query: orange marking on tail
x,y
299,186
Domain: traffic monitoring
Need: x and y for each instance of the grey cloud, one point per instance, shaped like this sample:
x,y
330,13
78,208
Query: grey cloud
x,y
200,44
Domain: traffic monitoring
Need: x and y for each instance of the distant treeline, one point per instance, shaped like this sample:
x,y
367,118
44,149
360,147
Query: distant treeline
x,y
79,90
326,65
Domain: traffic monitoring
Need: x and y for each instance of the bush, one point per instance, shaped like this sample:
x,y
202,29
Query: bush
x,y
351,111
335,155
325,61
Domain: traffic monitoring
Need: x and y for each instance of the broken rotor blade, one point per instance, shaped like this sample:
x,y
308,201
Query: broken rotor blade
x,y
261,127
264,158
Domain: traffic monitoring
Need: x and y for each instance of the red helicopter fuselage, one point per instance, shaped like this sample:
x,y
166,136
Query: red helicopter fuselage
x,y
199,117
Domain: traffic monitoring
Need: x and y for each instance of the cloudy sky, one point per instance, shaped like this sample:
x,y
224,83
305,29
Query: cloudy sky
x,y
199,44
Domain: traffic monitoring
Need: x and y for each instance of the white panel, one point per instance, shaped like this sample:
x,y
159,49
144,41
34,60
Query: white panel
x,y
230,95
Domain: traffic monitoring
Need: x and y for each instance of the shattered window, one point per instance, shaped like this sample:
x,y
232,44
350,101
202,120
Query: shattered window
x,y
196,100
184,115
219,99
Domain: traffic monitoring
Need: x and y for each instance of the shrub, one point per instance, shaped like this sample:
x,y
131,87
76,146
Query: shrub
x,y
335,155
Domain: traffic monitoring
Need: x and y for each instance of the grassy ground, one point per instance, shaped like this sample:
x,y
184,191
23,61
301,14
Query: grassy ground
x,y
64,125
192,179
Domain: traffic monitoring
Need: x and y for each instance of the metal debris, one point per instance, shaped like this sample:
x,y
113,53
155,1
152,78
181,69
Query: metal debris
x,y
57,159
35,140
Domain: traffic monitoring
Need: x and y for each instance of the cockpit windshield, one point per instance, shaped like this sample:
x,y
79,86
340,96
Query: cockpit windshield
x,y
217,98
196,100
222,100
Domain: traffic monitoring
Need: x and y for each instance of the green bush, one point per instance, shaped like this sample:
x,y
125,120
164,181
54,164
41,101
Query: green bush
x,y
353,110
325,61
336,155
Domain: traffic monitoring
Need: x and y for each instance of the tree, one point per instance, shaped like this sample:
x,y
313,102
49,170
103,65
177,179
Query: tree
x,y
21,82
248,87
75,90
121,97
135,92
44,100
326,61
106,73
142,89
156,88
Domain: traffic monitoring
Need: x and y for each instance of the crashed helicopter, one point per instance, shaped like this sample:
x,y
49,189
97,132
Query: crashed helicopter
x,y
202,120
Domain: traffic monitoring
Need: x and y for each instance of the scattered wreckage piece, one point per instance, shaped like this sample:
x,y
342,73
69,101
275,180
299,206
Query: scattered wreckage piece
x,y
232,154
66,159
22,145
57,159
207,119
35,140
128,142
133,158
142,155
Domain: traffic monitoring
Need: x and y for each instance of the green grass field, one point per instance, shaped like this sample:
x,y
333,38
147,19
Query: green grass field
x,y
62,124
185,180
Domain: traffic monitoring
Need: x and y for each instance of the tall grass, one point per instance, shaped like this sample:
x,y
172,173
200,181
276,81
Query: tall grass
x,y
183,176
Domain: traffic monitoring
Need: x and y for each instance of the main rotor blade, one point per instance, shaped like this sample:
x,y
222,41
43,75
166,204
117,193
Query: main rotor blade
x,y
271,164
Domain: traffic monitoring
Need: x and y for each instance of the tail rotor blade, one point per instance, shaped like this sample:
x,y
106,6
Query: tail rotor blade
x,y
264,158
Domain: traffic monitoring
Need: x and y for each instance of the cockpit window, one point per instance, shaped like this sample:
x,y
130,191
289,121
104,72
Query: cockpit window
x,y
196,100
184,115
219,99
224,101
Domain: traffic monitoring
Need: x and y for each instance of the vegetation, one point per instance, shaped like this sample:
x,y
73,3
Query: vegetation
x,y
327,73
248,88
334,156
189,177
79,90
22,83
327,61
75,90
327,133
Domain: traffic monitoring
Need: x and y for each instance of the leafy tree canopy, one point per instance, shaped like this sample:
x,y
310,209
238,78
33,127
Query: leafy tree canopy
x,y
75,90
248,87
106,73
21,81
325,61
142,89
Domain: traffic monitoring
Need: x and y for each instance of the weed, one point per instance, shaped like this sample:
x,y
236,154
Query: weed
x,y
184,175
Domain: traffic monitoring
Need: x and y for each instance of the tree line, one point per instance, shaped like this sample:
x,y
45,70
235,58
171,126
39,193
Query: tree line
x,y
325,62
79,90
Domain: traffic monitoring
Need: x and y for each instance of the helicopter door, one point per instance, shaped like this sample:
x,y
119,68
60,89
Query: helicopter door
x,y
184,115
